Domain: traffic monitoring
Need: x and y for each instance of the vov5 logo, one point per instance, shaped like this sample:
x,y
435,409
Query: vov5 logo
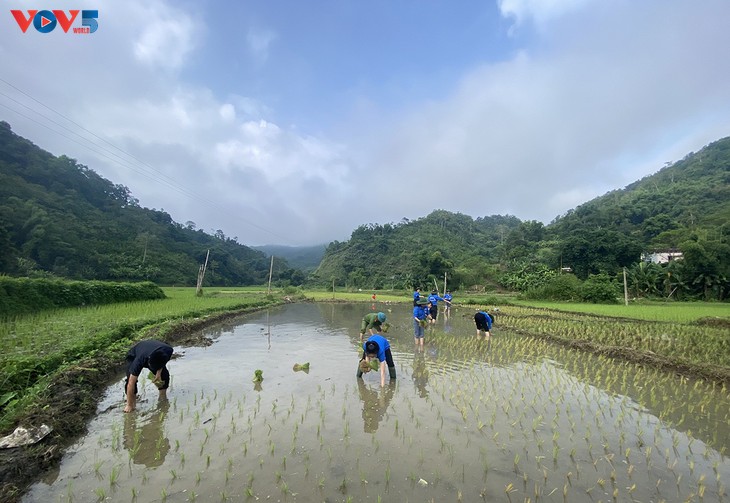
x,y
45,21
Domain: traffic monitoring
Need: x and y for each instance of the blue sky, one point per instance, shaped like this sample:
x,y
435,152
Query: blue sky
x,y
294,122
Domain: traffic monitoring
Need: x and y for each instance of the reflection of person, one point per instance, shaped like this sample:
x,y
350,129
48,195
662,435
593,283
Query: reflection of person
x,y
484,323
374,404
419,322
378,347
372,322
148,445
152,355
420,374
447,303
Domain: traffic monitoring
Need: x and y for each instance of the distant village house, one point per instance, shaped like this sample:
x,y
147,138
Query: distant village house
x,y
662,257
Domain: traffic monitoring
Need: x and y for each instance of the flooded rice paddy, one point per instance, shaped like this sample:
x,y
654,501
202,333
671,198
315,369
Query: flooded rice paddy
x,y
510,419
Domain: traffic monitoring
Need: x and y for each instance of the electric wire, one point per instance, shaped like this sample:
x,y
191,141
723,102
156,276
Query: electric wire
x,y
138,166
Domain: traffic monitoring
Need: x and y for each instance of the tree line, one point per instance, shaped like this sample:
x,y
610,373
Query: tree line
x,y
59,218
684,207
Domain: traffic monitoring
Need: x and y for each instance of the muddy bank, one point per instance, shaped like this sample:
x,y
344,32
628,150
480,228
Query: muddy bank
x,y
70,401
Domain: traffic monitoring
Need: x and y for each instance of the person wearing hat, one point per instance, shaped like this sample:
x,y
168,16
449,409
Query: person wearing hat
x,y
152,355
372,322
420,312
484,323
378,347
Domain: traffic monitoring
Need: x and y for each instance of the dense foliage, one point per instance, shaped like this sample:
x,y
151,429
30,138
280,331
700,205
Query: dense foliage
x,y
685,207
25,295
58,217
417,252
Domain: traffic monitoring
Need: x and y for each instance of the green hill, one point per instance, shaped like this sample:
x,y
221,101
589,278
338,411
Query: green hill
x,y
685,207
59,217
305,258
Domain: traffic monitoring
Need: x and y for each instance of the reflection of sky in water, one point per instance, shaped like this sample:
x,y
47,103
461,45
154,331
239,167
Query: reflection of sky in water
x,y
470,418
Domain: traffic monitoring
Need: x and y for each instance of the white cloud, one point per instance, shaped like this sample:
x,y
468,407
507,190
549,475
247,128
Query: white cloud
x,y
538,11
228,112
167,36
259,41
608,93
556,126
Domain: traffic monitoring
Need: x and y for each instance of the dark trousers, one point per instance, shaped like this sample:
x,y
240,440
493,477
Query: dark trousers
x,y
165,379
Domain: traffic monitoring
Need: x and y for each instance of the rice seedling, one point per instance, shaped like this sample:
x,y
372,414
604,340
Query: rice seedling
x,y
100,494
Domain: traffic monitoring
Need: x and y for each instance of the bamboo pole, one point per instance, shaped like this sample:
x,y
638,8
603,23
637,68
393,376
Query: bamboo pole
x,y
201,275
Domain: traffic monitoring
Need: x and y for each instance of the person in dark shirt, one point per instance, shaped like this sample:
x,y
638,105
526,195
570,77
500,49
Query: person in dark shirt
x,y
152,355
484,323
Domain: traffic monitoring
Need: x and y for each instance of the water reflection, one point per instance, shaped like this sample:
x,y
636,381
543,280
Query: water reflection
x,y
375,402
148,444
420,374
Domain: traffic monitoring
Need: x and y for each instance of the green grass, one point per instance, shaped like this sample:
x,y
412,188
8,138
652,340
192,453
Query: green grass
x,y
34,348
678,312
51,331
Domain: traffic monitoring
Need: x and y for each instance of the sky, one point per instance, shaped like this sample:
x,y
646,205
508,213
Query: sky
x,y
293,122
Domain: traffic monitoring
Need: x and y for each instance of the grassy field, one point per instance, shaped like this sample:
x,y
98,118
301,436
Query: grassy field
x,y
679,312
36,347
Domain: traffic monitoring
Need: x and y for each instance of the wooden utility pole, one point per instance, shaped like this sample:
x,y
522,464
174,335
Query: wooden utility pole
x,y
201,275
271,271
333,288
626,290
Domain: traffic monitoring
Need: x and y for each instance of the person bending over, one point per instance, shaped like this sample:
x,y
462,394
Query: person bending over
x,y
152,355
378,347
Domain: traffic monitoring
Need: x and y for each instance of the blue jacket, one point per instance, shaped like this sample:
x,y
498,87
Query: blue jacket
x,y
489,319
434,299
383,344
419,312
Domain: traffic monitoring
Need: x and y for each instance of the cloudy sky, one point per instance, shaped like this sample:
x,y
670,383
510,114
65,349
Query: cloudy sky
x,y
293,122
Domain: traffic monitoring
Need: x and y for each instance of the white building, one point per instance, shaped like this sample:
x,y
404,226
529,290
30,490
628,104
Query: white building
x,y
663,257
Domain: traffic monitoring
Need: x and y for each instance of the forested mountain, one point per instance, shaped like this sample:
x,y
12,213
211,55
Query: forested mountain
x,y
684,207
304,258
59,217
416,252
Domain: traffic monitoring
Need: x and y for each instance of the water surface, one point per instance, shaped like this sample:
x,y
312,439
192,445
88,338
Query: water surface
x,y
509,419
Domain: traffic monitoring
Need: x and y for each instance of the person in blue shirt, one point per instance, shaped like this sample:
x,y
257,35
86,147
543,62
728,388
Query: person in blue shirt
x,y
378,347
416,296
434,299
484,323
447,303
419,321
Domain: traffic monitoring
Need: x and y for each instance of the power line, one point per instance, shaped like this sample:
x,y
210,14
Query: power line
x,y
137,165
